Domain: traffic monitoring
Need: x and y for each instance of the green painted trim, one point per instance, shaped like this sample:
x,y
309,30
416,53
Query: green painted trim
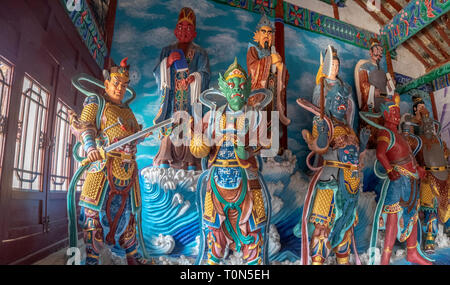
x,y
88,30
430,76
411,19
311,21
251,5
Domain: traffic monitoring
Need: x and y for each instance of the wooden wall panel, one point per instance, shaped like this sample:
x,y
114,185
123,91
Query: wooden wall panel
x,y
40,41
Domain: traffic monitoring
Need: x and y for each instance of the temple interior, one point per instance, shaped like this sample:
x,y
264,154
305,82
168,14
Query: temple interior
x,y
47,47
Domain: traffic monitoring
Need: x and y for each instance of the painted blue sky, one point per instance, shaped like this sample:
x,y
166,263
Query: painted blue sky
x,y
144,27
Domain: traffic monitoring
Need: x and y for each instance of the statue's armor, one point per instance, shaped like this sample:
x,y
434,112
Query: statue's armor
x,y
233,180
403,194
343,138
434,187
228,177
110,195
92,195
342,158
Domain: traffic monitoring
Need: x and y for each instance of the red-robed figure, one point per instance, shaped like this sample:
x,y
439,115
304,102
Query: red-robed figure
x,y
399,197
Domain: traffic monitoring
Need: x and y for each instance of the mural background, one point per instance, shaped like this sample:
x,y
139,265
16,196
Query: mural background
x,y
143,28
170,218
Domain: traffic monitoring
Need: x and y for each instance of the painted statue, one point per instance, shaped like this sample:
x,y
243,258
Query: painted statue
x,y
434,187
373,85
235,199
330,205
267,70
182,73
110,199
398,205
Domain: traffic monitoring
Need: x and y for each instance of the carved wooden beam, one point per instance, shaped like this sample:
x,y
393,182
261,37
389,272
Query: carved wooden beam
x,y
386,12
394,5
426,49
431,68
335,10
436,44
441,32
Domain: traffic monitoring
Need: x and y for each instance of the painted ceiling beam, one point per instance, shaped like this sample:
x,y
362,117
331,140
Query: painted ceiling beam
x,y
386,13
305,19
415,16
430,76
436,44
394,5
426,49
441,32
83,20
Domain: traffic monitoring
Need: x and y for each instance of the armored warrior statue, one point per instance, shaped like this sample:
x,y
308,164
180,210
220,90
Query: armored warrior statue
x,y
434,187
335,187
399,199
267,70
234,209
182,73
373,85
110,199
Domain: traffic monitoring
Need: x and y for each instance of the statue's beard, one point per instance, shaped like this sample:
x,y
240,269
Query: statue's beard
x,y
266,45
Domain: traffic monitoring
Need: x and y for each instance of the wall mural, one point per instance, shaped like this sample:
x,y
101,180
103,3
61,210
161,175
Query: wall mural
x,y
170,215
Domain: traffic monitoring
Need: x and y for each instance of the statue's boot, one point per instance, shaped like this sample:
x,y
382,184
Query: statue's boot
x,y
252,252
412,255
216,246
430,232
138,259
389,239
342,251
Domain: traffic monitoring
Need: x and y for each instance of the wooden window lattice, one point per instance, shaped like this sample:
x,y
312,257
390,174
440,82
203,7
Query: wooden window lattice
x,y
31,139
6,71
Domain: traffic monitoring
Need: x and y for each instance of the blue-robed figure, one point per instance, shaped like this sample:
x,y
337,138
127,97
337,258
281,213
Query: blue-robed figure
x,y
182,73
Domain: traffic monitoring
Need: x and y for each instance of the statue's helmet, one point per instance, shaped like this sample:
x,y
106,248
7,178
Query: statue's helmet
x,y
235,70
265,22
122,70
186,14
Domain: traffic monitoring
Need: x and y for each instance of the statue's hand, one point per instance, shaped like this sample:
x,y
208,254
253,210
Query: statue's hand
x,y
190,79
394,175
279,66
174,56
276,58
364,136
322,126
94,155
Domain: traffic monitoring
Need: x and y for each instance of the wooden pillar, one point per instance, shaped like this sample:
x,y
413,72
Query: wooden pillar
x,y
389,64
433,105
279,45
335,10
279,29
109,31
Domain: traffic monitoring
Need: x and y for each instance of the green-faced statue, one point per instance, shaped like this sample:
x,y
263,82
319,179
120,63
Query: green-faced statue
x,y
235,85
